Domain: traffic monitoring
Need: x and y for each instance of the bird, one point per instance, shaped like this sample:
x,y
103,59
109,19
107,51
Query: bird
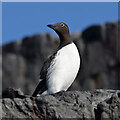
x,y
60,69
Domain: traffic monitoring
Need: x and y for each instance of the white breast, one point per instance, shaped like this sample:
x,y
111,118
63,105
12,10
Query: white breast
x,y
63,69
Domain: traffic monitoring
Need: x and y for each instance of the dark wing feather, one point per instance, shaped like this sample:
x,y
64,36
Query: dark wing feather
x,y
45,67
42,85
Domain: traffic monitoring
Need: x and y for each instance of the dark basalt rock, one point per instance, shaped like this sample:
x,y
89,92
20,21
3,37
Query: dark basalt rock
x,y
12,93
98,104
92,34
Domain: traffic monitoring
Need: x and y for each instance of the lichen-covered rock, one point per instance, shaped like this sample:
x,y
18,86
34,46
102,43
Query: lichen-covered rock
x,y
96,104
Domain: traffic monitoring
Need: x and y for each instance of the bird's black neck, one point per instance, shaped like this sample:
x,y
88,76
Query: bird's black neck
x,y
64,40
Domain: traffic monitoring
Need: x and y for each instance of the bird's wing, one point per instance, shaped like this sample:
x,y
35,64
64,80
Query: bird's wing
x,y
41,87
46,65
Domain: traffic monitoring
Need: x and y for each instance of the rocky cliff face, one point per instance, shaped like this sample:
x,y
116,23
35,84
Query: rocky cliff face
x,y
100,59
97,105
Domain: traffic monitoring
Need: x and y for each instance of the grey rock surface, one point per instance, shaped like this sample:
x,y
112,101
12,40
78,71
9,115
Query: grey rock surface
x,y
98,104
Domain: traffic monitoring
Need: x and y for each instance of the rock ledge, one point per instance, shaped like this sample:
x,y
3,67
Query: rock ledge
x,y
98,104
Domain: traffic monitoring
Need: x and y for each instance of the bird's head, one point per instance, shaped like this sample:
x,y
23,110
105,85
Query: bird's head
x,y
60,28
63,32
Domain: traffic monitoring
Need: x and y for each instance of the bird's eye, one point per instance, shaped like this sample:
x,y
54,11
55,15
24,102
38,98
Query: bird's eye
x,y
62,25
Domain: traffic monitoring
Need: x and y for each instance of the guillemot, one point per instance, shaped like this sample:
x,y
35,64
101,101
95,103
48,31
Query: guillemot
x,y
60,70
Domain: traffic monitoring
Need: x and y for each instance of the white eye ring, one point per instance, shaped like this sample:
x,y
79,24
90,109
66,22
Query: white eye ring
x,y
62,25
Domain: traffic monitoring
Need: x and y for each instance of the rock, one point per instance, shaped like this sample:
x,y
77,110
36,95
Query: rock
x,y
97,104
12,93
13,47
110,108
100,58
91,34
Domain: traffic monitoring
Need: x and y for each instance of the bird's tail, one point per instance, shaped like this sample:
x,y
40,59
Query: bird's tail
x,y
41,87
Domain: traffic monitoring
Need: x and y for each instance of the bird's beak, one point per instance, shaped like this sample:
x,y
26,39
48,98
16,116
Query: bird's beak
x,y
51,26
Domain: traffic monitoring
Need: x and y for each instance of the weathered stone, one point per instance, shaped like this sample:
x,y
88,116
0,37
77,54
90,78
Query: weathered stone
x,y
98,104
110,108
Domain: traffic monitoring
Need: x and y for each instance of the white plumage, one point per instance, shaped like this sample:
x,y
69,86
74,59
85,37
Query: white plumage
x,y
63,69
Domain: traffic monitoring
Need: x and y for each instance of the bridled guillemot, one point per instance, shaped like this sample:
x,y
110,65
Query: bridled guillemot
x,y
60,70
